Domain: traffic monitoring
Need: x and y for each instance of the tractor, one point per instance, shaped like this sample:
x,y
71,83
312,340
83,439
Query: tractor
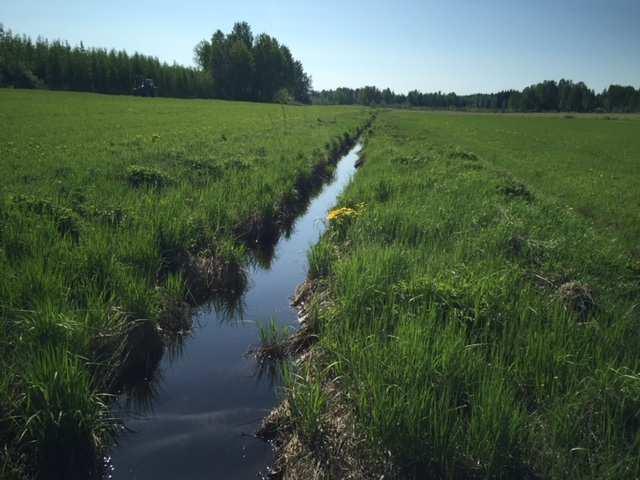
x,y
146,88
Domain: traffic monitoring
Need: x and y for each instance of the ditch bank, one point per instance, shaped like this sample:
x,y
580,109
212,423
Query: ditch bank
x,y
195,417
332,448
128,357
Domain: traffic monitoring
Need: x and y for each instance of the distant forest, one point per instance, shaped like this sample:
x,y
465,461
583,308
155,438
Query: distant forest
x,y
58,66
234,66
547,96
239,66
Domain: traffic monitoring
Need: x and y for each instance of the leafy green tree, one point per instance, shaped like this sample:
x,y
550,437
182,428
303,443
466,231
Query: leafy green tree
x,y
268,62
246,68
240,71
202,54
241,31
301,83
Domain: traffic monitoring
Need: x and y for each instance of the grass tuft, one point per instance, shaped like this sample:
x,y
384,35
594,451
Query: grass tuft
x,y
139,176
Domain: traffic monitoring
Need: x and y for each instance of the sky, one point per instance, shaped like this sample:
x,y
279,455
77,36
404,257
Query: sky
x,y
464,46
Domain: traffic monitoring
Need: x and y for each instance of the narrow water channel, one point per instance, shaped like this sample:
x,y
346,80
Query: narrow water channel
x,y
210,399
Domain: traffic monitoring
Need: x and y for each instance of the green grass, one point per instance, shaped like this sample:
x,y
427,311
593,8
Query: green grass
x,y
482,325
118,208
589,163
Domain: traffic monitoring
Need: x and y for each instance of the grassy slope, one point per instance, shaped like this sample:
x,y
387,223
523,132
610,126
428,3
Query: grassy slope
x,y
459,350
86,243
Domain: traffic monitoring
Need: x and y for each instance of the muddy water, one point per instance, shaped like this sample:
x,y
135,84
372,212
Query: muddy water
x,y
198,418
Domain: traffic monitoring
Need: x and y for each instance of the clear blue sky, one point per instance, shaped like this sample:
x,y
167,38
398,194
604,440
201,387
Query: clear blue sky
x,y
465,46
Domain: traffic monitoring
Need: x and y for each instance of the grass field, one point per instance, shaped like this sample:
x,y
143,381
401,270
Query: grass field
x,y
476,301
476,295
587,162
115,209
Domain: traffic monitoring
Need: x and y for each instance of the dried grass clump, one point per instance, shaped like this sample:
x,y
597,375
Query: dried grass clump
x,y
578,298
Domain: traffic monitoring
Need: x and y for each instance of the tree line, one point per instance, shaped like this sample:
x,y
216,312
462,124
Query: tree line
x,y
246,68
56,65
234,66
547,96
239,66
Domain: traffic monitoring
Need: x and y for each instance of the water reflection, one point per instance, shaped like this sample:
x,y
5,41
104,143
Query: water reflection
x,y
207,398
269,370
263,250
138,398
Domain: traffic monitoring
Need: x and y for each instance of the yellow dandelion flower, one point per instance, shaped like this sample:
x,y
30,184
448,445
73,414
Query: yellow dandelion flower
x,y
340,213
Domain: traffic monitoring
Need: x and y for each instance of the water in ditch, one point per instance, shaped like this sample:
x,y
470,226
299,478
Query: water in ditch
x,y
208,398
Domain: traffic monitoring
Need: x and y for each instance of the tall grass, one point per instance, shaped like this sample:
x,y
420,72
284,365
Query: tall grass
x,y
61,409
307,402
451,330
114,210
